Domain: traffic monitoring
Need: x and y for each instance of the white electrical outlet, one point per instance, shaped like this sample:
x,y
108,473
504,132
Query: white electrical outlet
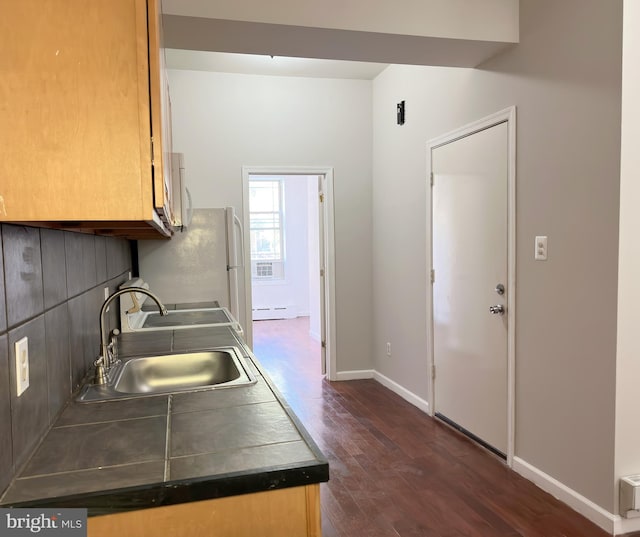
x,y
388,349
541,248
22,365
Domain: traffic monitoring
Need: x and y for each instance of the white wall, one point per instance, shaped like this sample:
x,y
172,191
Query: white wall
x,y
222,122
564,78
293,290
628,362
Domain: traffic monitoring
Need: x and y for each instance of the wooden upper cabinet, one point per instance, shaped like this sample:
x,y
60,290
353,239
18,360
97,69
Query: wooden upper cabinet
x,y
160,115
82,94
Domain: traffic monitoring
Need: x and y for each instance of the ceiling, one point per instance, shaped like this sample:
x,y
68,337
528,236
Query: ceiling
x,y
334,39
196,60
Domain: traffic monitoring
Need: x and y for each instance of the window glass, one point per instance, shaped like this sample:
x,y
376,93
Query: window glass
x,y
266,214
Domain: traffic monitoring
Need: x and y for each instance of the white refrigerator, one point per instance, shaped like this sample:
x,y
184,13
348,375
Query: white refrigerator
x,y
201,264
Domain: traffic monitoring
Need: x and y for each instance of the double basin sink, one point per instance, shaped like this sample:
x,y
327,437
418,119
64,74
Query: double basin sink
x,y
222,367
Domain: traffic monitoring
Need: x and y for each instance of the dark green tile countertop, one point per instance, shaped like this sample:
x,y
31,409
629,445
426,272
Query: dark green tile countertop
x,y
138,453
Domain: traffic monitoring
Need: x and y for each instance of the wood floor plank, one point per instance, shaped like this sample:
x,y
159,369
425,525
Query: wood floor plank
x,y
396,472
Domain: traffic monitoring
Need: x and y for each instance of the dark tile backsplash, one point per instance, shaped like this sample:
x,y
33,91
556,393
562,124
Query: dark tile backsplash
x,y
6,461
3,303
85,330
22,273
54,267
29,412
101,258
80,250
118,254
56,330
51,289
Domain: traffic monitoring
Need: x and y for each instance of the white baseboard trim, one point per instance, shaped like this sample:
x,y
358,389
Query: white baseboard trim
x,y
402,392
355,375
387,383
596,514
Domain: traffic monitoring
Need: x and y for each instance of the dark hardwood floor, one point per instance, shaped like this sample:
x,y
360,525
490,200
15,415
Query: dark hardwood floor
x,y
394,470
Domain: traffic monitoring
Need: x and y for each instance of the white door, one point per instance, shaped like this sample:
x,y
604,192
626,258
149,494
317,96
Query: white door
x,y
469,193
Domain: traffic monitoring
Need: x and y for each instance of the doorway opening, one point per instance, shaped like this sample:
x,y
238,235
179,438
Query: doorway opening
x,y
288,227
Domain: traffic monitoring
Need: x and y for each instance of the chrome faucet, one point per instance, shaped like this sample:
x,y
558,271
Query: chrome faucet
x,y
104,360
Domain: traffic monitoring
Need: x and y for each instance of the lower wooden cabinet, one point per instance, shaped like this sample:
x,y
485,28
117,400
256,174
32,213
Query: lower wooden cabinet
x,y
291,512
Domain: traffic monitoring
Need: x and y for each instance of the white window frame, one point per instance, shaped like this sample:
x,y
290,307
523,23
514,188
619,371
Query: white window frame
x,y
277,263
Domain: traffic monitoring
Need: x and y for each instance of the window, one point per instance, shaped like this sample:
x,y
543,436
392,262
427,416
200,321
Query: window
x,y
266,215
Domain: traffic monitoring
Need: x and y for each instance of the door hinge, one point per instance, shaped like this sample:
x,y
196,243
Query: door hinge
x,y
431,178
433,372
323,344
153,153
433,276
321,197
322,273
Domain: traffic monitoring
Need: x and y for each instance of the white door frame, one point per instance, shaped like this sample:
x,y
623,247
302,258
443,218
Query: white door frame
x,y
507,115
328,234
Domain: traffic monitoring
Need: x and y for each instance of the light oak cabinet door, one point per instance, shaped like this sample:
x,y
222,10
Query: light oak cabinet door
x,y
160,116
292,512
80,101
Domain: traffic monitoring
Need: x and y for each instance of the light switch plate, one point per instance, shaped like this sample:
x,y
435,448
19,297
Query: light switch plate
x,y
541,248
22,365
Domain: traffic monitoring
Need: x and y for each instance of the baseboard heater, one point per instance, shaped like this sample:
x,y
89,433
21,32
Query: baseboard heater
x,y
273,313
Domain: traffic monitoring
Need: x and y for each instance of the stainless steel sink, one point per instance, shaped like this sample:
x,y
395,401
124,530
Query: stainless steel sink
x,y
222,367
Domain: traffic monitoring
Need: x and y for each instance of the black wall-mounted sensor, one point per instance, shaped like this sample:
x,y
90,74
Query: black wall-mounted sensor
x,y
400,113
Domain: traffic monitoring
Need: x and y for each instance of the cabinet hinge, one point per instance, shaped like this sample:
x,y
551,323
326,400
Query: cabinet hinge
x,y
323,344
322,273
433,276
433,372
153,153
321,197
431,178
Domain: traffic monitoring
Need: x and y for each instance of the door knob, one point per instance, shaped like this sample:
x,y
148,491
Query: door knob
x,y
498,309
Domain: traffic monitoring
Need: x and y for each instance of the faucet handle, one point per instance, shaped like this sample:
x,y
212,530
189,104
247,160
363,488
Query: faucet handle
x,y
113,342
101,373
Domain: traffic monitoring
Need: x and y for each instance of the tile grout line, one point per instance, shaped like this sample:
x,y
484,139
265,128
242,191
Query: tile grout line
x,y
167,439
239,405
237,448
81,470
111,420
